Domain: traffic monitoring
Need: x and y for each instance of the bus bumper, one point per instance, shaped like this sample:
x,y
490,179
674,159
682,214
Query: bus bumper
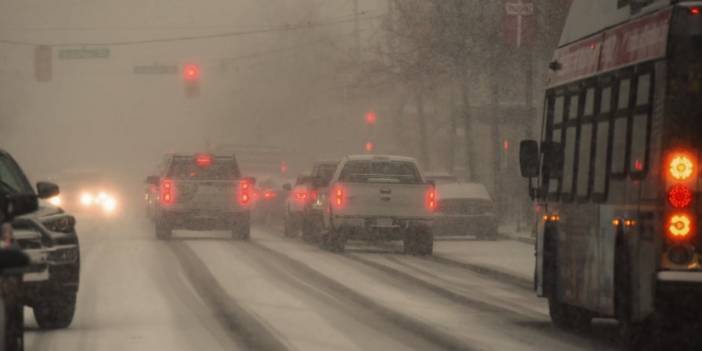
x,y
680,277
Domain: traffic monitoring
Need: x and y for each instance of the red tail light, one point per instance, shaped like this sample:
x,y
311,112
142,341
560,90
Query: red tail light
x,y
244,192
167,192
203,160
339,197
431,199
269,195
679,196
695,11
301,196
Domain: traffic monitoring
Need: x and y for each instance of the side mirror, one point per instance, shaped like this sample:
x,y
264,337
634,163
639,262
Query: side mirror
x,y
153,180
529,158
13,205
47,190
287,187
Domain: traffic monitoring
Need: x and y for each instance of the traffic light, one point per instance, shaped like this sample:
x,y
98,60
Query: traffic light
x,y
191,77
370,146
371,118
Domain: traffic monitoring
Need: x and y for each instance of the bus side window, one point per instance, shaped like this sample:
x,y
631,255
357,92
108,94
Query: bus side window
x,y
555,175
599,186
584,160
619,141
640,125
585,149
600,179
570,147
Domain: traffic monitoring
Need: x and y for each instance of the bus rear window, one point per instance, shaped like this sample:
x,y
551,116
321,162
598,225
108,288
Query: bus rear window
x,y
220,169
400,172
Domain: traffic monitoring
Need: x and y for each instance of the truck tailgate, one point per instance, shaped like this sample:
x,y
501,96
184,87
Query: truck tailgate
x,y
382,200
206,195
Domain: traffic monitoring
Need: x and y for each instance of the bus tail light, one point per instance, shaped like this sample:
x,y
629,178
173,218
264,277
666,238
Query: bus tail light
x,y
167,192
679,196
681,167
244,192
680,226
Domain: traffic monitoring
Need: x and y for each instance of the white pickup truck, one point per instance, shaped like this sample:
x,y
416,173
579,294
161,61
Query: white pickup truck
x,y
378,198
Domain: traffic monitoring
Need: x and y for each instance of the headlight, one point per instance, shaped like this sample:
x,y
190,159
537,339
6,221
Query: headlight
x,y
56,201
109,204
87,199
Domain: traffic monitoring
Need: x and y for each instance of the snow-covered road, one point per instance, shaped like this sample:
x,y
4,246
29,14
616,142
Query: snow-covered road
x,y
203,291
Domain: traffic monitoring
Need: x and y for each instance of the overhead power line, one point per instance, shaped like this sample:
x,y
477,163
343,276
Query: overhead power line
x,y
271,29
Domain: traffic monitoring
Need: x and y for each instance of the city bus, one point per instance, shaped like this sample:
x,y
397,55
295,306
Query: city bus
x,y
615,172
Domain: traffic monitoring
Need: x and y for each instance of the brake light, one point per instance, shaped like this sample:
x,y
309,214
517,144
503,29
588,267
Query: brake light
x,y
679,196
339,197
431,199
695,11
301,196
167,192
244,192
680,226
681,167
203,160
269,195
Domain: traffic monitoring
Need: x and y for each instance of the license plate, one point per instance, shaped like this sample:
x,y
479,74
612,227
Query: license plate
x,y
384,222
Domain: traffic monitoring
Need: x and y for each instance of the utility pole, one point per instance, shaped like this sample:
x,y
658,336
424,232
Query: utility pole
x,y
356,31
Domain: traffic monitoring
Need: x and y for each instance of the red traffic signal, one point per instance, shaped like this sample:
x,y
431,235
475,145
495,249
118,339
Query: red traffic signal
x,y
370,146
191,72
371,118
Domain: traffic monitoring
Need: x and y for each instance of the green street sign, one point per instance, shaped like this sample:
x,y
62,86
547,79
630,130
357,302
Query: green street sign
x,y
155,69
84,53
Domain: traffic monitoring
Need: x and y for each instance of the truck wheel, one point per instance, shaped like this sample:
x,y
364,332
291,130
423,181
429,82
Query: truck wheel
x,y
242,229
13,313
163,230
568,317
57,312
289,227
409,243
309,232
425,242
334,241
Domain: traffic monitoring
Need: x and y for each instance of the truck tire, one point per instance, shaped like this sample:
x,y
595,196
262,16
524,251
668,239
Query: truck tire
x,y
13,313
241,230
289,226
57,312
334,241
409,243
164,231
419,242
310,230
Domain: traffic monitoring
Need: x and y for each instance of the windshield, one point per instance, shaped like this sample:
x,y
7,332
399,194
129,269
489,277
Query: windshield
x,y
380,172
219,170
326,172
11,177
